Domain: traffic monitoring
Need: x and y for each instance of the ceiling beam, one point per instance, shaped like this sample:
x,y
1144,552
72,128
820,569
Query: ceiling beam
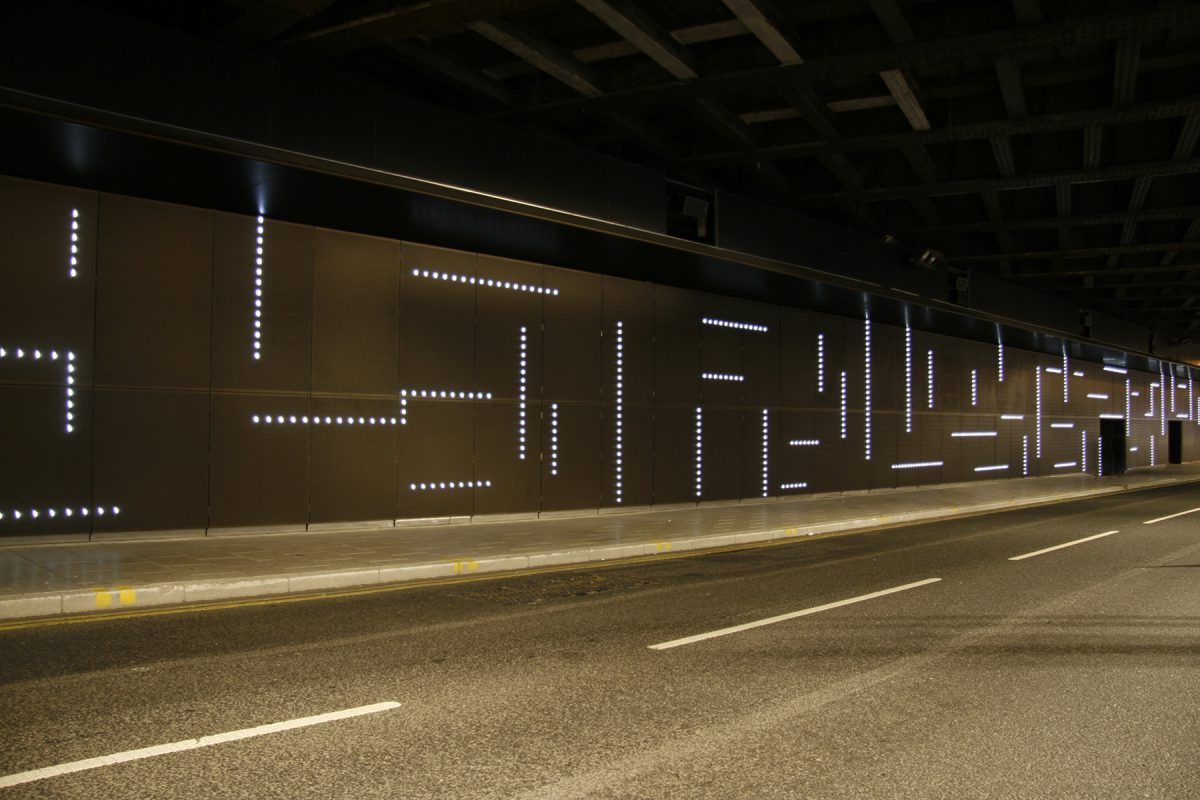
x,y
636,28
765,24
1079,220
1076,272
540,53
424,57
416,19
901,89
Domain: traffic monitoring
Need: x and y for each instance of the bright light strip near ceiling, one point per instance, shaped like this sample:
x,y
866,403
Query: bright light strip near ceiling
x,y
722,376
974,387
867,388
783,487
619,397
1038,399
256,333
1097,396
908,387
15,514
36,354
820,362
929,377
442,394
1025,455
1083,450
843,415
766,486
999,356
804,442
992,468
316,419
699,451
971,434
1118,370
553,439
1066,369
73,264
918,465
523,388
491,283
739,326
446,485
1066,464
1012,416
1062,424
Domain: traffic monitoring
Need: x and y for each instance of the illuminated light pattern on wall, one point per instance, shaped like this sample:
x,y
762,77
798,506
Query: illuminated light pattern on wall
x,y
36,354
971,434
619,398
1162,399
1012,416
721,376
1097,396
1129,403
1066,373
70,391
1083,450
820,362
1025,455
443,394
784,487
258,290
1133,449
1062,424
1066,464
1078,373
766,486
73,264
804,442
554,439
1099,455
523,385
1118,370
699,450
929,377
1112,416
491,283
867,387
446,485
316,419
918,465
992,468
1038,401
738,326
1152,456
843,415
1191,396
908,387
1150,413
974,387
1169,380
999,356
1054,370
15,514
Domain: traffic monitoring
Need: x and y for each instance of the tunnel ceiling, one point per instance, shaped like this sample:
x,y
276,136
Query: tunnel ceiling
x,y
1049,142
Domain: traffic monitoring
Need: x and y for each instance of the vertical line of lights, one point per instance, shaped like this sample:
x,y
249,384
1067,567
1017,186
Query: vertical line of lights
x,y
929,375
554,438
1099,455
256,337
1162,397
820,362
70,399
1150,413
1191,397
974,387
1066,368
699,451
1174,386
522,389
908,388
999,355
1083,451
766,486
1128,407
619,395
1038,400
1025,454
867,389
73,268
844,405
1152,447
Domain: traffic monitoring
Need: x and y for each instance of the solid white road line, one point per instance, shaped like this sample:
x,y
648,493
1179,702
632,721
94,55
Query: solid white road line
x,y
1171,516
1061,546
699,637
18,778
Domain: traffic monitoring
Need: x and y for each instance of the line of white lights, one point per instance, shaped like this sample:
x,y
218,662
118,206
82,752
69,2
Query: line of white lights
x,y
739,326
619,398
783,487
523,387
304,419
820,362
443,394
1066,464
699,451
439,485
1054,370
1097,396
1083,450
1112,416
1169,380
974,387
1152,454
918,465
1099,454
36,354
929,377
1150,413
722,376
992,468
1162,399
1066,368
256,333
1012,416
1118,370
1129,402
843,415
73,263
15,514
1038,399
1191,396
1078,373
867,388
1133,449
999,356
766,486
1025,454
1062,424
491,283
804,442
554,439
908,382
971,434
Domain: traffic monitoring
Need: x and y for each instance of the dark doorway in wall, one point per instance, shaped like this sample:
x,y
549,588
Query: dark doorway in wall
x,y
1175,441
1112,446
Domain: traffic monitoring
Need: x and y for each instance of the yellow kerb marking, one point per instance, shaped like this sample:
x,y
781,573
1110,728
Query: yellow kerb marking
x,y
662,547
465,565
103,598
790,531
127,594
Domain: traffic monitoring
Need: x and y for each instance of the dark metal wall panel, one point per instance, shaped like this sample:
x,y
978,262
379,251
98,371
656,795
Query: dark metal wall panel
x,y
258,471
572,345
760,356
285,309
353,474
631,304
153,304
356,291
151,459
437,446
675,454
677,337
723,441
799,362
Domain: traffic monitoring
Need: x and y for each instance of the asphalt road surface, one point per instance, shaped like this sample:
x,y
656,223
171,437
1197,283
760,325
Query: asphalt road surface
x,y
1073,673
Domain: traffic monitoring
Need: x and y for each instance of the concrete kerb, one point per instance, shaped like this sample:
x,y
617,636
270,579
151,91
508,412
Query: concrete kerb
x,y
107,599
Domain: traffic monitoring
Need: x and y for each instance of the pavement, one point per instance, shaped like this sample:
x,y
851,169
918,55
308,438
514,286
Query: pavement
x,y
113,576
812,672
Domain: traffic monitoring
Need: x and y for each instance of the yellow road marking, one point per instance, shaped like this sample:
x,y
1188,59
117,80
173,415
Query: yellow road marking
x,y
127,594
103,597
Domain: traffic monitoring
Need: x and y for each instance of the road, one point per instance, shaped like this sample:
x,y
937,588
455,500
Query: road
x,y
1073,673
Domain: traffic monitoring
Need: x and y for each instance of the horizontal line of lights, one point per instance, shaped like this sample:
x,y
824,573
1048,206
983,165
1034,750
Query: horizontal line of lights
x,y
1118,370
1078,373
1062,424
54,513
721,376
34,354
740,326
442,394
1055,370
1133,449
1097,396
1012,416
1112,416
489,282
804,442
279,419
971,434
992,468
918,465
1136,394
1181,386
1066,464
783,487
422,487
1181,415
